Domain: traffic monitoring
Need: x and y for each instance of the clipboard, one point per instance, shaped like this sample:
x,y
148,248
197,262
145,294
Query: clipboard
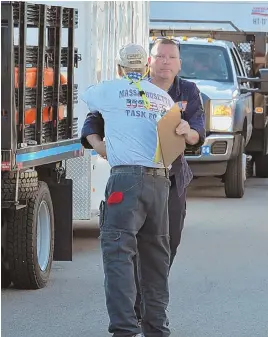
x,y
171,145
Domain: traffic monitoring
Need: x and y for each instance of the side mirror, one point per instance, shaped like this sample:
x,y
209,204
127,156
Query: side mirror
x,y
260,83
264,81
244,90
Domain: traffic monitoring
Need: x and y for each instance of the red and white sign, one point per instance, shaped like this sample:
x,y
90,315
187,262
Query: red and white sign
x,y
5,166
260,11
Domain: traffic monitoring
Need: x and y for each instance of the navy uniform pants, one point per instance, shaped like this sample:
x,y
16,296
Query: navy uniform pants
x,y
177,213
134,221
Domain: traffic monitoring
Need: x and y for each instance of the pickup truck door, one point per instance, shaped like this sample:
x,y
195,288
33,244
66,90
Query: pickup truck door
x,y
244,107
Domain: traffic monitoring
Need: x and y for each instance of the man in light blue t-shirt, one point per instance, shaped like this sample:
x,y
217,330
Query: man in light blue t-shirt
x,y
135,215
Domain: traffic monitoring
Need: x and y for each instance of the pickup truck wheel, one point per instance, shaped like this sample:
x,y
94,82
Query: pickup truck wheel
x,y
261,162
235,175
30,237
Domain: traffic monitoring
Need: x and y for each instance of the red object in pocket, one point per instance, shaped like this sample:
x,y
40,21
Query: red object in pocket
x,y
115,198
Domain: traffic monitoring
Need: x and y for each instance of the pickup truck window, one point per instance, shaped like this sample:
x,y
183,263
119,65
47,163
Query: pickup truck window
x,y
239,66
242,65
205,62
236,64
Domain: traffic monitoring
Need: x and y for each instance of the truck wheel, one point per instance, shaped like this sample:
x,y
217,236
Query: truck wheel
x,y
250,168
28,185
235,175
30,236
261,162
5,276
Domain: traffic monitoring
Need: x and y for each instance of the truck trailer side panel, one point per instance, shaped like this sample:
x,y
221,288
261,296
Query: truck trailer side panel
x,y
103,28
250,16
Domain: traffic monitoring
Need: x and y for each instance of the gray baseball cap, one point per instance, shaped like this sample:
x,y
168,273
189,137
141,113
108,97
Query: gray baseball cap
x,y
132,56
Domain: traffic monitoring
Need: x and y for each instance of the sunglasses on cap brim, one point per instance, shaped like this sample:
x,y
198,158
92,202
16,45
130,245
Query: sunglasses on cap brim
x,y
155,39
146,65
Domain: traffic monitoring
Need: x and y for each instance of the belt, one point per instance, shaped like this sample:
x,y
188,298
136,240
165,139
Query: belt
x,y
135,169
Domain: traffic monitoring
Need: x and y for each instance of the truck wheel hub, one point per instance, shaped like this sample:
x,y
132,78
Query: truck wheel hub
x,y
43,235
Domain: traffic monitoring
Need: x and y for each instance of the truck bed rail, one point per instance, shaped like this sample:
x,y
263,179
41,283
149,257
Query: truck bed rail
x,y
37,100
160,27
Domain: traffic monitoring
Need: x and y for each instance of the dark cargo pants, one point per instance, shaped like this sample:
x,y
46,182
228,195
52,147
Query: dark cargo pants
x,y
177,212
137,224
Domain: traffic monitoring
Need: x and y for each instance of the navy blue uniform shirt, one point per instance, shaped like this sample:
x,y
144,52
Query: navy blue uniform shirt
x,y
189,97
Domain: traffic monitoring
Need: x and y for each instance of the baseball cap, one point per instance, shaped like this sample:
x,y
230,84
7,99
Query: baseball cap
x,y
132,56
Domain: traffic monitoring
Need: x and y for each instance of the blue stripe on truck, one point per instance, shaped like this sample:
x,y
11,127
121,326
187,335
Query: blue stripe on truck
x,y
48,152
94,153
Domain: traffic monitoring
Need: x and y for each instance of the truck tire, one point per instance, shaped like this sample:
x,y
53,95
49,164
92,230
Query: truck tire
x,y
235,176
250,168
28,185
261,163
5,276
30,241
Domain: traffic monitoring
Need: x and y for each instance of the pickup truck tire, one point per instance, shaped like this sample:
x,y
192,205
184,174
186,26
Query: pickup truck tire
x,y
235,176
30,241
28,185
261,163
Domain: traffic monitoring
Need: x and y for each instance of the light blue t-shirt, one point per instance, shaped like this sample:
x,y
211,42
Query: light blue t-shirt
x,y
130,129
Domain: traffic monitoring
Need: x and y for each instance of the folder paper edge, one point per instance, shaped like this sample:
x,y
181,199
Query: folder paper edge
x,y
161,136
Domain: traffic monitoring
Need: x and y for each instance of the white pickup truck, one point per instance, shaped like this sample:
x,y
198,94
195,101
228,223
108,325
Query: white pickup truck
x,y
234,85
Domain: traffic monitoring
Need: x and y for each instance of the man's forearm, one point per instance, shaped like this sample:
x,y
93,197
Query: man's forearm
x,y
97,143
93,125
93,139
192,138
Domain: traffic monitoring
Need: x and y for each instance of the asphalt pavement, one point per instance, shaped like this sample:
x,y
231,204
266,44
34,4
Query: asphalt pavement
x,y
218,283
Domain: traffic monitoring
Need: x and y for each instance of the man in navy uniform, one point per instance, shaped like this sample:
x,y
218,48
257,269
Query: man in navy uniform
x,y
165,65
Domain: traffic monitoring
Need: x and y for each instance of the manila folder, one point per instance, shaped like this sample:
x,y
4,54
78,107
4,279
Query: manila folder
x,y
171,144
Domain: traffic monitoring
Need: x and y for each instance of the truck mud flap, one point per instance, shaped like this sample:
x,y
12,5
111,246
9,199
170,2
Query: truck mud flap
x,y
62,198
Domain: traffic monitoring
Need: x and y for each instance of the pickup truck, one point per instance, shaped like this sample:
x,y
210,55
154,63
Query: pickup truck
x,y
233,83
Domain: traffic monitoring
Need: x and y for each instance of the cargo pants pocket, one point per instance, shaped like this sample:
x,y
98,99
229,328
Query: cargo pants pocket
x,y
110,245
